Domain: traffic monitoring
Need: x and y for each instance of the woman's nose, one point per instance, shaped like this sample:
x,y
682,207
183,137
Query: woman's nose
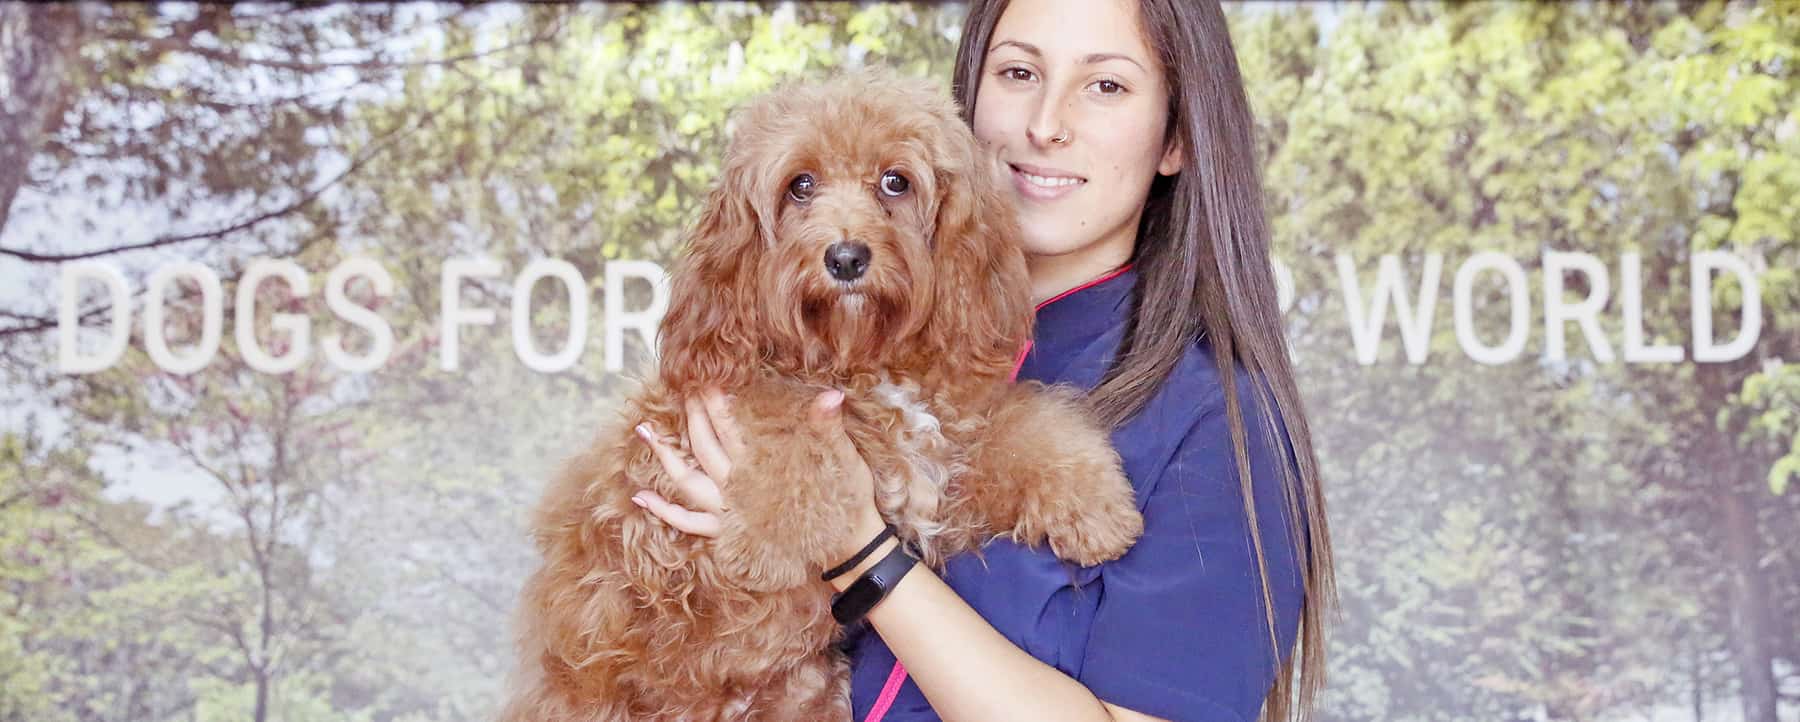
x,y
1048,127
1045,137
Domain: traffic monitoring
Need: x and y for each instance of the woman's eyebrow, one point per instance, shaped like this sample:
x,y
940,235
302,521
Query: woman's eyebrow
x,y
1029,49
1089,59
1093,58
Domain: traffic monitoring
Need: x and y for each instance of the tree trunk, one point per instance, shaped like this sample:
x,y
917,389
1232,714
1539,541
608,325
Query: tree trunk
x,y
1699,692
1749,605
38,42
262,697
1566,673
1732,491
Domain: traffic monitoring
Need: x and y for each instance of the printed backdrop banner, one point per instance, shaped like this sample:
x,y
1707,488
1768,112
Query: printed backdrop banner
x,y
301,305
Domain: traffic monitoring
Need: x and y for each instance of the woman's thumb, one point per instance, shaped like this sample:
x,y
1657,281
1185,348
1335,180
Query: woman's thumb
x,y
825,409
827,416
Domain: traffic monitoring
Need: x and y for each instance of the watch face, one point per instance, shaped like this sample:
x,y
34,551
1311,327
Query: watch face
x,y
862,590
856,600
872,587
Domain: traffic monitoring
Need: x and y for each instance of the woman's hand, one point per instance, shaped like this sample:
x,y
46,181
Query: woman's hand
x,y
717,441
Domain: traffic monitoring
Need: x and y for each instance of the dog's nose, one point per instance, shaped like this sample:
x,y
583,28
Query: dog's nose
x,y
847,260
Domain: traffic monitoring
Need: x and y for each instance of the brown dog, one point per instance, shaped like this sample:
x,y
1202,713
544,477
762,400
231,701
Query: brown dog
x,y
859,238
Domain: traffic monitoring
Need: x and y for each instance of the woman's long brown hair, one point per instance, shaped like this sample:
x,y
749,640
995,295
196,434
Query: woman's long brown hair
x,y
1204,270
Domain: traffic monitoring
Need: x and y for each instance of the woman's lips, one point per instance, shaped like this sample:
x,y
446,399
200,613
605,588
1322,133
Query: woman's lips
x,y
1044,184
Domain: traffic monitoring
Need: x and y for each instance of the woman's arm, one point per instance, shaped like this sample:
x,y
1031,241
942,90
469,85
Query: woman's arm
x,y
965,668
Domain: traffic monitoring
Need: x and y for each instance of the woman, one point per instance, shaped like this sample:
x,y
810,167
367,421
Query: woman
x,y
1130,142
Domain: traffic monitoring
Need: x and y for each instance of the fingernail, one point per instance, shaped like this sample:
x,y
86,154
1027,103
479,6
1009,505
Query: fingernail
x,y
643,430
638,500
832,399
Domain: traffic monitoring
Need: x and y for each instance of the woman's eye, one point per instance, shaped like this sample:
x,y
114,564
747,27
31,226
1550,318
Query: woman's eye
x,y
894,184
801,188
1019,74
1108,87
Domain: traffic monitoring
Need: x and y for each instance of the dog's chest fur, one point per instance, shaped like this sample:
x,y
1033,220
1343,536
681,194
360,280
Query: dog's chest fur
x,y
922,458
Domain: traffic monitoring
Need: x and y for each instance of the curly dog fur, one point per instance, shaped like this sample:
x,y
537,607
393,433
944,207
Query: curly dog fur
x,y
628,619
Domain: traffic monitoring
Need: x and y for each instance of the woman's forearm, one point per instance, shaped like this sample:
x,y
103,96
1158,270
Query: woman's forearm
x,y
966,668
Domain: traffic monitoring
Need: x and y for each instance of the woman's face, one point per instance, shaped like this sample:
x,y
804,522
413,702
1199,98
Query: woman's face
x,y
1074,100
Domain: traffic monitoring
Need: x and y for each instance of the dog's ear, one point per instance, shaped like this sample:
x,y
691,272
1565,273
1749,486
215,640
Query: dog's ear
x,y
707,338
983,311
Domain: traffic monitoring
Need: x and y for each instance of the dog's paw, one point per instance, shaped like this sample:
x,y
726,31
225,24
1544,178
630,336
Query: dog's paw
x,y
1097,525
757,560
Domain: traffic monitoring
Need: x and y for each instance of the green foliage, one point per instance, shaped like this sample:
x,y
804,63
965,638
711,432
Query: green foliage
x,y
1561,541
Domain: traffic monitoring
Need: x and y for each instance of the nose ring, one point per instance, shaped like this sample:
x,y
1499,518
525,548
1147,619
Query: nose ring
x,y
1061,137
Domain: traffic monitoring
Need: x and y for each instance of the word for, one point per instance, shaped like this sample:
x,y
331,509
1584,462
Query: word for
x,y
297,330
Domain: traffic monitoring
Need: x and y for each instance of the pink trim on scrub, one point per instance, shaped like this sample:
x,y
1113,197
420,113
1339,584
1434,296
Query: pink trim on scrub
x,y
897,677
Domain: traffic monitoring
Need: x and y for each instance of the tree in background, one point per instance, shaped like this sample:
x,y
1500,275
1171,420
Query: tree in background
x,y
1540,539
242,599
222,123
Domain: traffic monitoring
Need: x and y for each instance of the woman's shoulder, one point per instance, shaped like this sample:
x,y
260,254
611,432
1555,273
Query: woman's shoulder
x,y
1181,627
1185,431
1194,393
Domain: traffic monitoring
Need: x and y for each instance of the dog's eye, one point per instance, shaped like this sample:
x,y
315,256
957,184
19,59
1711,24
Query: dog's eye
x,y
894,184
801,188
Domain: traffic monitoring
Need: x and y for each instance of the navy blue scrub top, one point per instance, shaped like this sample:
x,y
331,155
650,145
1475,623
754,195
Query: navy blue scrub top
x,y
1175,628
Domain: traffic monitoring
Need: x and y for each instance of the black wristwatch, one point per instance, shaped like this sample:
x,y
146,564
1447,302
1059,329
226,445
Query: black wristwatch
x,y
873,586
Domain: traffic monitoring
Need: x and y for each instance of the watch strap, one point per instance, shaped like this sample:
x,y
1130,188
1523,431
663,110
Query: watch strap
x,y
873,586
841,569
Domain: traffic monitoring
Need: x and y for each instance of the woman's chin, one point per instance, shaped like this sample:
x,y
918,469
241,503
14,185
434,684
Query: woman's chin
x,y
1045,242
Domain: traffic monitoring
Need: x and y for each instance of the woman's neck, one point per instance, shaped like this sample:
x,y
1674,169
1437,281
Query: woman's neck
x,y
1051,275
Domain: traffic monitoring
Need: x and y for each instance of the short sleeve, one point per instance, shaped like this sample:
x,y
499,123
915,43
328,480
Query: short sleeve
x,y
1180,632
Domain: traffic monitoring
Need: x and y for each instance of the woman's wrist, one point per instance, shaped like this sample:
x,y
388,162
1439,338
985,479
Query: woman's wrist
x,y
862,531
843,581
867,526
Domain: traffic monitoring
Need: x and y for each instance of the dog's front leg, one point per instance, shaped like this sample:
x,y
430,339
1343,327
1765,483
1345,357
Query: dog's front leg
x,y
788,508
1044,469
